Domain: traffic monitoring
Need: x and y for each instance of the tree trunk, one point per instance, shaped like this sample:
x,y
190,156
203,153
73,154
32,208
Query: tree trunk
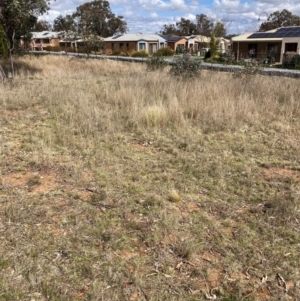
x,y
11,48
2,75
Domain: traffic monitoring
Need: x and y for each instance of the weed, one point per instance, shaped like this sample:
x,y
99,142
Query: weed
x,y
249,69
185,68
164,52
174,196
183,248
140,53
34,180
156,63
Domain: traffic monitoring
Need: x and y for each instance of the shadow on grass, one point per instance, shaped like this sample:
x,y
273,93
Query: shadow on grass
x,y
19,67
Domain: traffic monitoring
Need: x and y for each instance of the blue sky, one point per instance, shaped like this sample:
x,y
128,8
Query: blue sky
x,y
149,16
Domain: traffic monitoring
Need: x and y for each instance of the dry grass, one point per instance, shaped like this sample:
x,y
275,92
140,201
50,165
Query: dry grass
x,y
122,184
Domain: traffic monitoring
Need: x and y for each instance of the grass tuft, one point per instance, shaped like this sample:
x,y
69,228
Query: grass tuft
x,y
174,196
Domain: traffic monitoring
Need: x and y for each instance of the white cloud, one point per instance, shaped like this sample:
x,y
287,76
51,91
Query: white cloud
x,y
153,15
231,7
50,16
149,16
172,5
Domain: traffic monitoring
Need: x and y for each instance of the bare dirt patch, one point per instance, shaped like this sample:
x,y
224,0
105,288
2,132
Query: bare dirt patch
x,y
281,173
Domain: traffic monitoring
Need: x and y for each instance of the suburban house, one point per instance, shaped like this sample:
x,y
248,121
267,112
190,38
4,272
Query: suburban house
x,y
68,39
201,43
122,43
224,44
75,42
176,43
197,42
40,40
128,43
271,45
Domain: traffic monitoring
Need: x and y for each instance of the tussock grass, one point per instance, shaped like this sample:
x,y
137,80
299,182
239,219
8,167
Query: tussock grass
x,y
123,184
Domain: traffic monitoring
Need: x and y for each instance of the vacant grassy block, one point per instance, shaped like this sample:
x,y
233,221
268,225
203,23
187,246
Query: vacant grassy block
x,y
97,158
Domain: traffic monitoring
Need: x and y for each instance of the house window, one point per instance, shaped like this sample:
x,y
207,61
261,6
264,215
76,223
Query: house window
x,y
291,47
252,50
113,46
121,46
152,48
127,46
142,46
161,45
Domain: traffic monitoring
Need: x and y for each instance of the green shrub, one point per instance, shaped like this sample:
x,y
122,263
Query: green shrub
x,y
249,69
295,62
213,45
53,48
226,58
164,52
222,58
120,53
58,49
156,63
116,52
125,53
185,68
141,53
287,61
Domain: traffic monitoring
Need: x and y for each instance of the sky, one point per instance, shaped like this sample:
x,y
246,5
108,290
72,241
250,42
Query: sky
x,y
149,16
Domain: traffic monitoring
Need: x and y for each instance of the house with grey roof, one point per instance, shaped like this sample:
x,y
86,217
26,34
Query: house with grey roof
x,y
127,43
176,43
43,39
271,45
74,42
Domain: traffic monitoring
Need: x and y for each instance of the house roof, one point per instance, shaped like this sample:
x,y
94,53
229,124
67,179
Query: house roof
x,y
47,34
282,32
245,38
198,38
73,38
277,34
135,37
224,40
173,38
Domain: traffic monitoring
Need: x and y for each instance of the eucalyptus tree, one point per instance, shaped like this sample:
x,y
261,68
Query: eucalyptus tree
x,y
204,25
65,23
94,21
186,27
169,29
17,18
42,25
96,18
280,19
